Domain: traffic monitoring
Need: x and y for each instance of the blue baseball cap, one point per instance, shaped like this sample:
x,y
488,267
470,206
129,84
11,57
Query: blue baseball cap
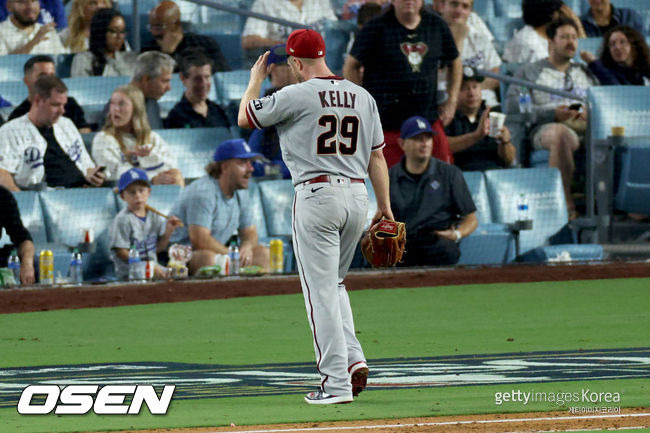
x,y
234,148
277,55
130,176
414,126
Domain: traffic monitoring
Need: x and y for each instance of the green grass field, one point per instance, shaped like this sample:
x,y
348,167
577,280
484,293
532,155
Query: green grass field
x,y
420,322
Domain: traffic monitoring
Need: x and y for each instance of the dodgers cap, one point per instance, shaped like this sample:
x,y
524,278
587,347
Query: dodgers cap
x,y
234,148
130,176
414,126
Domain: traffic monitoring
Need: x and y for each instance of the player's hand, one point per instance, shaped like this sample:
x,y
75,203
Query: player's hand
x,y
260,70
95,177
386,213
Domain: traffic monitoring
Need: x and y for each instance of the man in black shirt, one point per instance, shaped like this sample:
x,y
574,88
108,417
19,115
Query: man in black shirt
x,y
468,132
169,36
20,237
396,57
195,110
36,67
431,197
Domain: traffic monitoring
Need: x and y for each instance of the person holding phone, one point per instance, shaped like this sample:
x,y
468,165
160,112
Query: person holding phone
x,y
127,141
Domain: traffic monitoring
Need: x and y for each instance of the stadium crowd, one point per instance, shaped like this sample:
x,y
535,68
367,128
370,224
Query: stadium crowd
x,y
421,62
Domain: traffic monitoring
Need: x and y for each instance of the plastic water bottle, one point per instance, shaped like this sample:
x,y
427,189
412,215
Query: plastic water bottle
x,y
233,254
76,268
522,208
14,265
525,101
135,268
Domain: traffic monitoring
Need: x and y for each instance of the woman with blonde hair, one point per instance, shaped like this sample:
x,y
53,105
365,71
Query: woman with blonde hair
x,y
75,36
127,141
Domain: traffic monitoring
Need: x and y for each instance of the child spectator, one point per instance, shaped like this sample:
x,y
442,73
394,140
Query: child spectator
x,y
134,225
127,141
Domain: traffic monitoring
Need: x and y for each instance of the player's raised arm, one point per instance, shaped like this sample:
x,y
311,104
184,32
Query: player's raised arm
x,y
259,72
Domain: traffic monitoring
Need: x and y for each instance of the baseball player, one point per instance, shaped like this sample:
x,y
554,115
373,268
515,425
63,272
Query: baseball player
x,y
331,139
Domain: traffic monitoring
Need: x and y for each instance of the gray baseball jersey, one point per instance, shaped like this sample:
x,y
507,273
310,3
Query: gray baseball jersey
x,y
128,229
326,126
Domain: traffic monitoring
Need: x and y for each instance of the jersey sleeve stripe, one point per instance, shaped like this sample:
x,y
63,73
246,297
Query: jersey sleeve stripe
x,y
252,120
379,146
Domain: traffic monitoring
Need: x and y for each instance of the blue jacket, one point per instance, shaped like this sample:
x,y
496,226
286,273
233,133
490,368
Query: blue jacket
x,y
619,75
54,8
620,16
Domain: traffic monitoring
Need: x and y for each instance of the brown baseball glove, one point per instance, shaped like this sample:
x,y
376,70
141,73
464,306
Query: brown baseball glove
x,y
383,244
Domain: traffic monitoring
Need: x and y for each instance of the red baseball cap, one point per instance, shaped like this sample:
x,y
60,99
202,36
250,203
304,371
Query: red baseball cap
x,y
306,43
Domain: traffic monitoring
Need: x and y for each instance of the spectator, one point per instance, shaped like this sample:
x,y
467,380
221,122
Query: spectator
x,y
127,141
135,226
195,110
75,36
366,12
400,52
602,17
107,55
44,146
20,238
50,11
558,124
36,67
625,58
468,133
352,8
170,38
153,76
531,43
258,35
21,34
474,43
216,205
431,197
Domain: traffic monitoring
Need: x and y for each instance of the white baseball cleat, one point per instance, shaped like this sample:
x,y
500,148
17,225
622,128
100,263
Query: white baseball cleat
x,y
320,397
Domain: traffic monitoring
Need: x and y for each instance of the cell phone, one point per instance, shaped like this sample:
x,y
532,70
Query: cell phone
x,y
576,107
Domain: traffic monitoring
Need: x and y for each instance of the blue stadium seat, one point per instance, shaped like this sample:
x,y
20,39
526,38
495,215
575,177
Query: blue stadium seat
x,y
13,91
194,147
478,188
633,193
547,207
258,210
503,27
593,45
92,93
64,65
508,8
11,66
336,35
69,211
230,44
486,9
627,106
31,215
277,202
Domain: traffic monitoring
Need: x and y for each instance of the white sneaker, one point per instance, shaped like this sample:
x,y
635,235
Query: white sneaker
x,y
320,397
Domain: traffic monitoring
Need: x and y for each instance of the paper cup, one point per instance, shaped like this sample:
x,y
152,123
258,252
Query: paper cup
x,y
496,123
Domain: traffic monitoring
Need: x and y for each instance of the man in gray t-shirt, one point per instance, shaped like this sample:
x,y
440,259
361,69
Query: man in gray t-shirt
x,y
216,206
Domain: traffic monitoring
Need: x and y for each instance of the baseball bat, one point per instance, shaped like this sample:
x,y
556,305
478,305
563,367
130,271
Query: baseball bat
x,y
156,211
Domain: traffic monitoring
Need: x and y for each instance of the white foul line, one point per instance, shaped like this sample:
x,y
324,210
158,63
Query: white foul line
x,y
431,424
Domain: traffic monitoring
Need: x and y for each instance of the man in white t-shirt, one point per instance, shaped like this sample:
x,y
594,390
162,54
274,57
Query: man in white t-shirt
x,y
22,34
474,44
258,35
43,147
